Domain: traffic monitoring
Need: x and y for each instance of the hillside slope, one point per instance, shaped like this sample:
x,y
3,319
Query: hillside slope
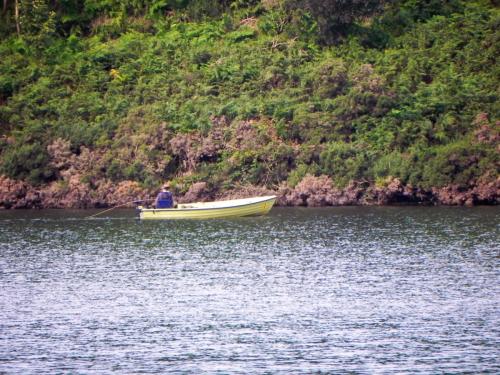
x,y
100,105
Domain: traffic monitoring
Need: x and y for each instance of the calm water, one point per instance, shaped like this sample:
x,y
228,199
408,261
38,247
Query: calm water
x,y
361,290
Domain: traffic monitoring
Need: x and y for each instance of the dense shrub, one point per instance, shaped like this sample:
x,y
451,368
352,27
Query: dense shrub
x,y
29,162
261,92
345,162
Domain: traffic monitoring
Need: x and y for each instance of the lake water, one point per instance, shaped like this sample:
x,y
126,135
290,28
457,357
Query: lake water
x,y
334,290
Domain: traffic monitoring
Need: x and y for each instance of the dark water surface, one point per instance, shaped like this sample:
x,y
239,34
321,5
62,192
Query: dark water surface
x,y
361,290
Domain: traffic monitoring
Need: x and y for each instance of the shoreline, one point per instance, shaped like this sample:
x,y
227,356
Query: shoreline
x,y
310,192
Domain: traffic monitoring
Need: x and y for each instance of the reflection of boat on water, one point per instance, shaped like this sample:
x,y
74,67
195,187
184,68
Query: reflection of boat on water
x,y
210,210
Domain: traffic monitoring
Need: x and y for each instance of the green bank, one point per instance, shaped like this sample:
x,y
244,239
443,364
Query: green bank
x,y
249,93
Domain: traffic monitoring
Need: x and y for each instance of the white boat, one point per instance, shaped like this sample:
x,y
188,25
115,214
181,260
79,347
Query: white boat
x,y
211,210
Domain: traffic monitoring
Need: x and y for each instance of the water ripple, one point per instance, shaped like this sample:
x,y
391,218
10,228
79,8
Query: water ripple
x,y
361,290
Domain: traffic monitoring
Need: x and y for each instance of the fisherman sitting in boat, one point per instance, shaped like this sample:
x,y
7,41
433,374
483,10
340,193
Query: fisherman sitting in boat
x,y
165,198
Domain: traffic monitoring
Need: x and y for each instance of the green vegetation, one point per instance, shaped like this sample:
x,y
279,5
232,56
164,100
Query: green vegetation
x,y
249,91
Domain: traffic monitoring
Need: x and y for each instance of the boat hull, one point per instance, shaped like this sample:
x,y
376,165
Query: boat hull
x,y
211,210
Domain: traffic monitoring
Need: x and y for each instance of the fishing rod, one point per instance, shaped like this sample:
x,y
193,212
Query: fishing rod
x,y
120,205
